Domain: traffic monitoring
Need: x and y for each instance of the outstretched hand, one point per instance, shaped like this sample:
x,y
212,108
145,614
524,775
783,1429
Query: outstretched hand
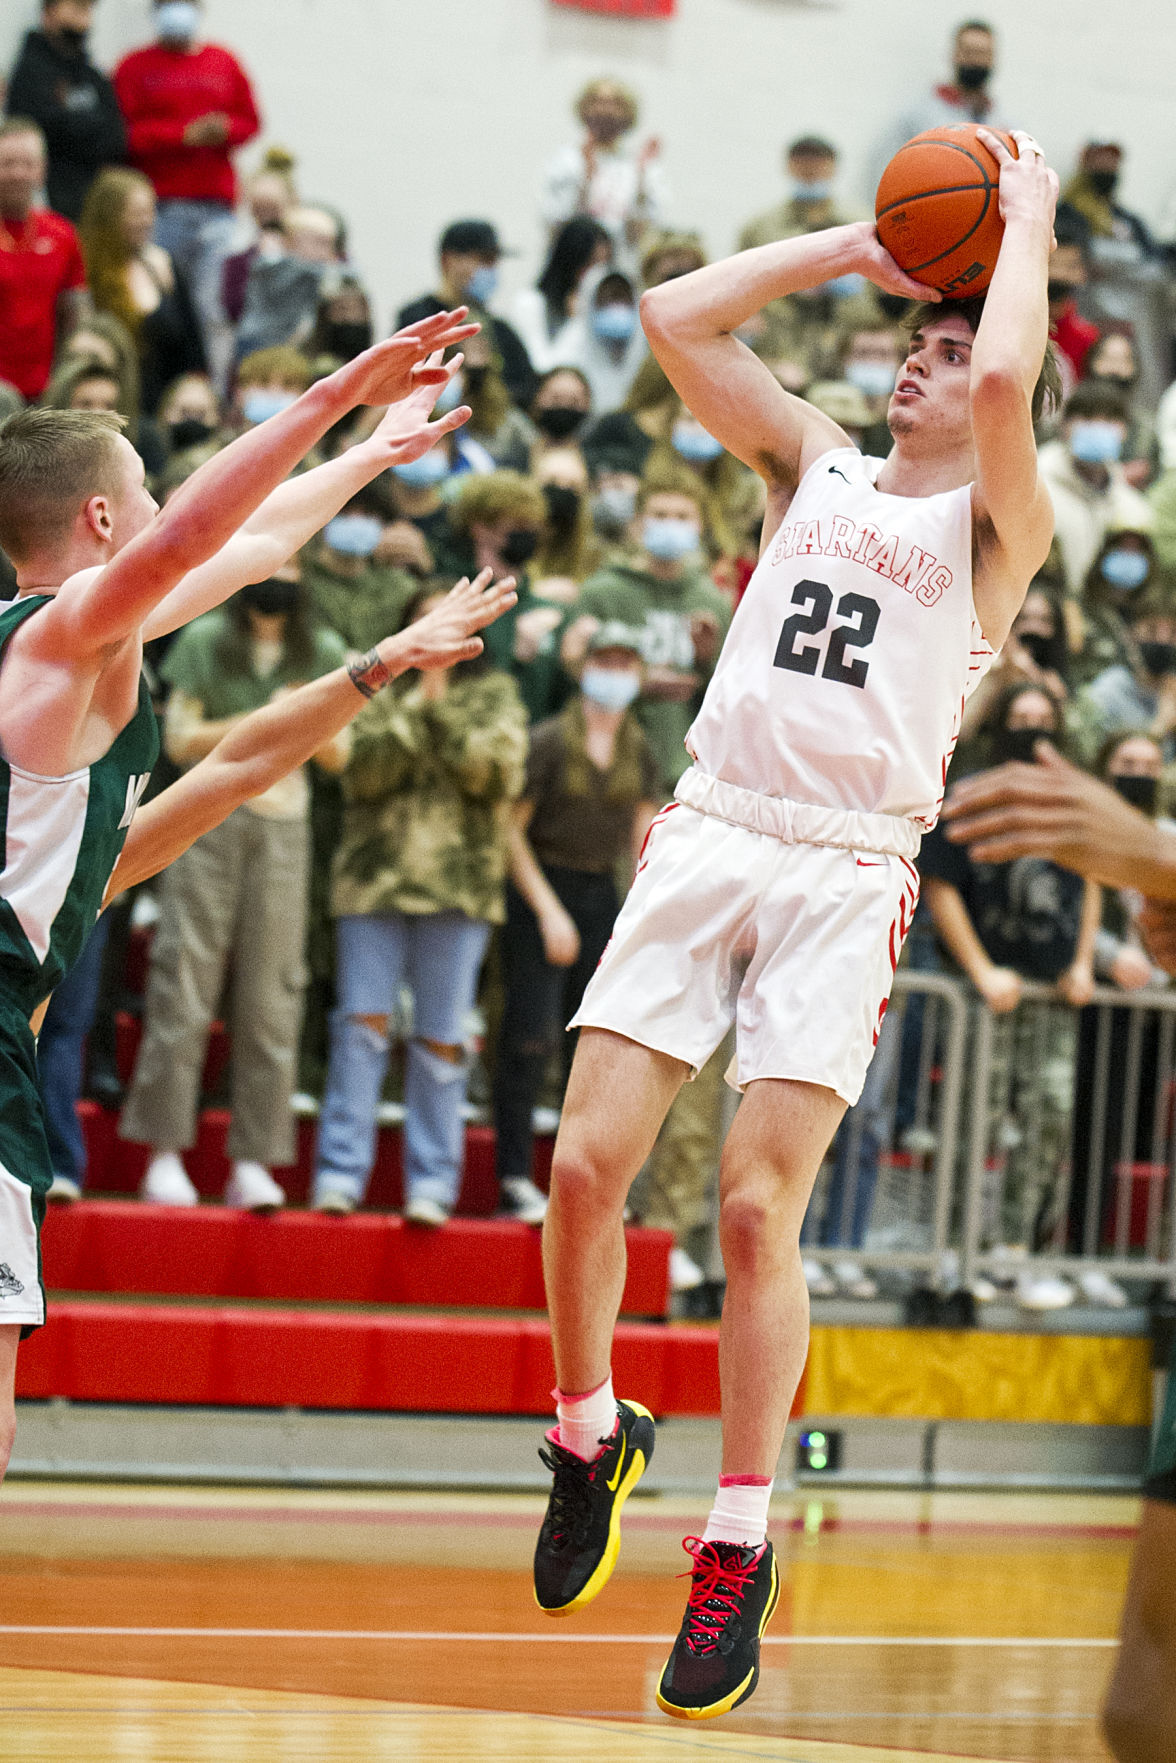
x,y
405,432
1050,809
446,636
1028,186
390,371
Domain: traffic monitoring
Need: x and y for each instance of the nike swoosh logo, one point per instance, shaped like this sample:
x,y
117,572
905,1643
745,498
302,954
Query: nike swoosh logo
x,y
836,471
615,1483
882,865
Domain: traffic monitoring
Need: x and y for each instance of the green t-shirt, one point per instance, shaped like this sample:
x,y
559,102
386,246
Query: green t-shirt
x,y
194,665
661,611
362,609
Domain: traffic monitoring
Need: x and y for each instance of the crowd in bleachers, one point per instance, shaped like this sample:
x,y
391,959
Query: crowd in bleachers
x,y
450,872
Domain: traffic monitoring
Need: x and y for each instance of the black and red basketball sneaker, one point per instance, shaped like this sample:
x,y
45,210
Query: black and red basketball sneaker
x,y
715,1662
581,1535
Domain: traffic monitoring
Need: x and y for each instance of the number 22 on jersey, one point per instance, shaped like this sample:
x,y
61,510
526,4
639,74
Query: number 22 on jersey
x,y
859,633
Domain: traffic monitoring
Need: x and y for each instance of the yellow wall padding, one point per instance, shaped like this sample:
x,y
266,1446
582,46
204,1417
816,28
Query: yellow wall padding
x,y
948,1374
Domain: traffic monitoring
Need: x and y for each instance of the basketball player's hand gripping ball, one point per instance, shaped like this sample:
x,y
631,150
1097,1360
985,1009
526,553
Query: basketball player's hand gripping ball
x,y
946,196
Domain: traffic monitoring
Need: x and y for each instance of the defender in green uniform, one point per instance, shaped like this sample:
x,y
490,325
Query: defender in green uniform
x,y
100,570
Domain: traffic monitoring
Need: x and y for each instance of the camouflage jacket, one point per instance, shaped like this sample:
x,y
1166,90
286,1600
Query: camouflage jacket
x,y
426,799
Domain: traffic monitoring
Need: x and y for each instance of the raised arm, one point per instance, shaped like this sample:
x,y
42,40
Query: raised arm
x,y
1014,514
271,742
102,608
690,323
300,507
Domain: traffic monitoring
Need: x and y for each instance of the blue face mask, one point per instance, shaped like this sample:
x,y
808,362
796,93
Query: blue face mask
x,y
259,404
843,287
451,396
872,378
353,535
692,441
1096,442
177,21
669,540
1124,569
610,687
818,192
615,323
419,474
482,285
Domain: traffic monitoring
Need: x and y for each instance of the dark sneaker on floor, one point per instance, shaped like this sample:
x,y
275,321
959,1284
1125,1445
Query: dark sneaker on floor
x,y
715,1662
581,1535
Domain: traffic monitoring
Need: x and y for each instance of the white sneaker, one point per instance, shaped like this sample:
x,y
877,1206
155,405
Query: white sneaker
x,y
1100,1289
521,1199
166,1182
983,1289
336,1201
1044,1291
685,1273
853,1281
422,1210
64,1190
252,1188
818,1279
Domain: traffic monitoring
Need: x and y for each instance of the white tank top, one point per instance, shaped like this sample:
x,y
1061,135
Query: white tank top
x,y
843,679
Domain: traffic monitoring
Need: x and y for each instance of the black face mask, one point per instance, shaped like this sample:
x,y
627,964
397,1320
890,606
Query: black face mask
x,y
1158,658
973,79
1121,382
1142,792
563,504
893,305
558,421
519,546
1058,291
72,39
1103,183
1039,648
474,378
271,597
1018,743
189,432
347,339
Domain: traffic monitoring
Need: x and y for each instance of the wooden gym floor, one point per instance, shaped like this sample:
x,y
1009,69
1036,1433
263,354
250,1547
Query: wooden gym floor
x,y
178,1625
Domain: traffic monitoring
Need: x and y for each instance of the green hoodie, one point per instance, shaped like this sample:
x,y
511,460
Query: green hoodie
x,y
661,610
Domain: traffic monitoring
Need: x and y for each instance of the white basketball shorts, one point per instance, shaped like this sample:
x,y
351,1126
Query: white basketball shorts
x,y
794,942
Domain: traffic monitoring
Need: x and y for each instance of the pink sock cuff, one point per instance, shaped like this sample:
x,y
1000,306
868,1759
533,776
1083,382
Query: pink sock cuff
x,y
578,1395
745,1481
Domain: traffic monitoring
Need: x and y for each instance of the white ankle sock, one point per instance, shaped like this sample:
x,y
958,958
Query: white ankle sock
x,y
586,1419
740,1511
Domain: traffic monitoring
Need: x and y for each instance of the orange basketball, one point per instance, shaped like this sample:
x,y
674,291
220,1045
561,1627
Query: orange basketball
x,y
937,210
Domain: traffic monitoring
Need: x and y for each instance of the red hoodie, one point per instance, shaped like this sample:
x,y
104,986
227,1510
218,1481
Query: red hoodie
x,y
160,91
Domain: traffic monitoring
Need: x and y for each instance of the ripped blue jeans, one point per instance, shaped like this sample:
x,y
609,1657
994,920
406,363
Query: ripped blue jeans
x,y
438,957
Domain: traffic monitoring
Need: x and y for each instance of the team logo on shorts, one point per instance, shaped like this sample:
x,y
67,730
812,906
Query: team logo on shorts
x,y
10,1286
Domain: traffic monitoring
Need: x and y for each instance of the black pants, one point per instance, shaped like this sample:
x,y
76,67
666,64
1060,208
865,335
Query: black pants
x,y
1092,1185
540,1001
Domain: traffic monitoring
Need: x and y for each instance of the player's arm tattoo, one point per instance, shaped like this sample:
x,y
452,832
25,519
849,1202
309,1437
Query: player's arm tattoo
x,y
369,674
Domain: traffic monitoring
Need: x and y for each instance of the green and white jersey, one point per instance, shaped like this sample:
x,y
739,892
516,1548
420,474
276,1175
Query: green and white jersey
x,y
60,838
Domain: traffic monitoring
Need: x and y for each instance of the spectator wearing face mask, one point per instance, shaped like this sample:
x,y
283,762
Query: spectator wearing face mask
x,y
1036,653
343,325
189,413
270,194
567,552
1002,924
188,106
418,883
1128,278
548,317
1072,335
347,590
1082,471
469,253
1138,692
561,409
136,280
55,84
1124,1060
590,793
42,277
664,591
286,282
615,485
965,97
498,522
1114,361
267,382
239,895
506,433
1123,577
602,178
613,344
870,358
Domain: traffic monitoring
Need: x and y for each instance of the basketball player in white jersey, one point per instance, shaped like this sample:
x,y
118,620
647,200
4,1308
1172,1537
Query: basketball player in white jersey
x,y
776,890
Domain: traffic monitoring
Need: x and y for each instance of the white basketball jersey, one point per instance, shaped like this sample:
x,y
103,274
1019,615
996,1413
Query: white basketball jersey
x,y
843,678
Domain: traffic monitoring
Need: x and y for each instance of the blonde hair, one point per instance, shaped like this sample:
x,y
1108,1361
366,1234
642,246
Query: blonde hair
x,y
484,500
106,253
51,463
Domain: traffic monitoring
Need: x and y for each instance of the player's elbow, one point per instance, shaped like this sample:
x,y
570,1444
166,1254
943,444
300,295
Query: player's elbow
x,y
655,309
998,393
